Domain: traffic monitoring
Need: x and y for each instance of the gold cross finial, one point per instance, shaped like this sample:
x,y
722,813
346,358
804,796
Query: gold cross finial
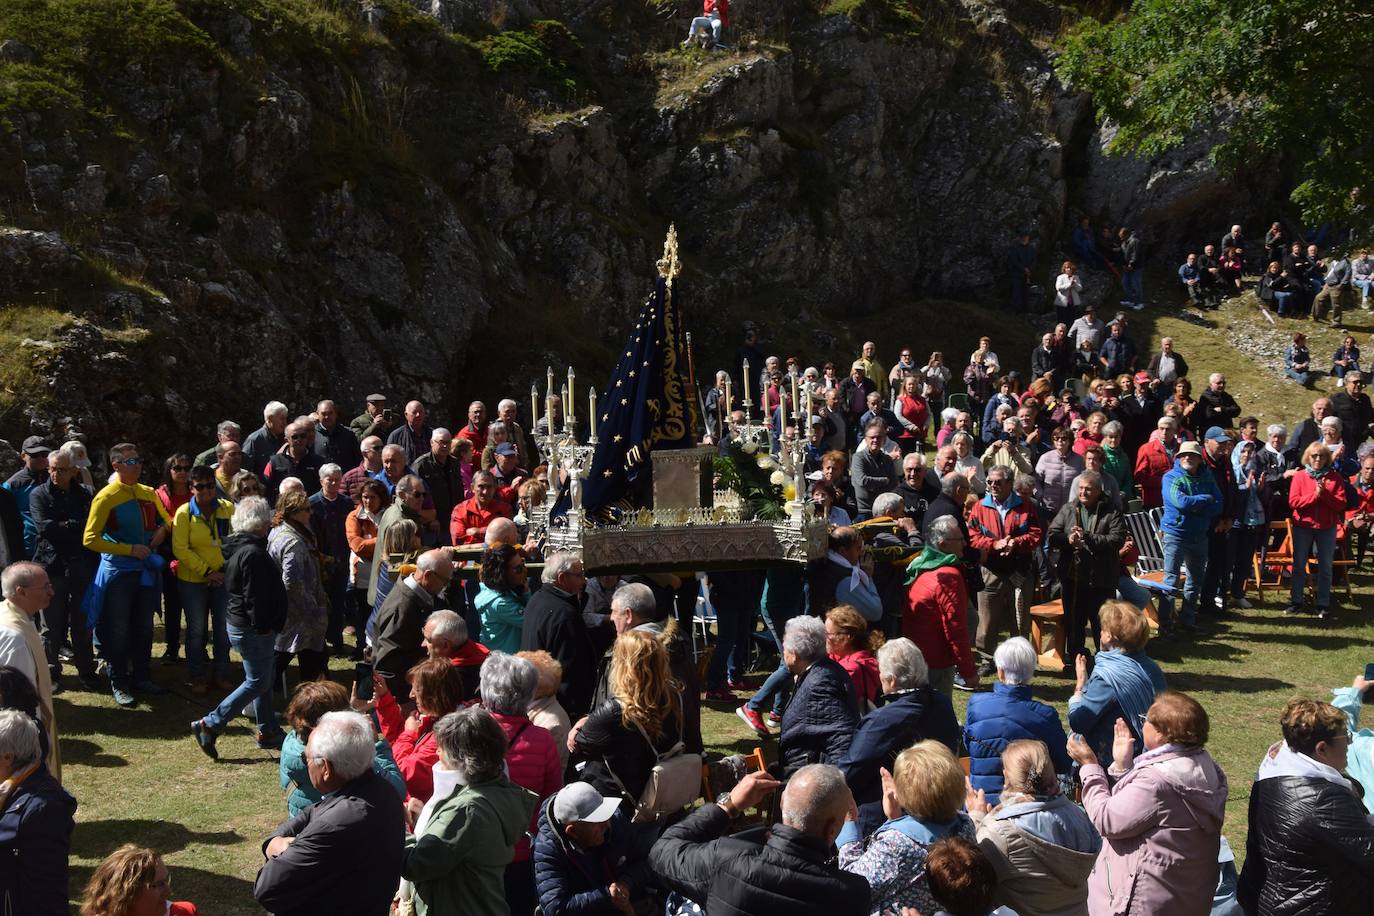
x,y
669,266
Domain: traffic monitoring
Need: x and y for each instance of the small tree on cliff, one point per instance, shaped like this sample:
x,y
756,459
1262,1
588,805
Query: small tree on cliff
x,y
1294,77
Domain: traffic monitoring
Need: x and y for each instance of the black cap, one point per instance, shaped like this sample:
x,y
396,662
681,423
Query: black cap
x,y
35,445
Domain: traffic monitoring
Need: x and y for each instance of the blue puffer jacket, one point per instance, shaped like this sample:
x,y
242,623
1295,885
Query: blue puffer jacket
x,y
902,720
819,721
572,881
1191,502
995,720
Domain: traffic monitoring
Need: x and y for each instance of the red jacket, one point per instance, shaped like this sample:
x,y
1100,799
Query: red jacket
x,y
986,526
478,438
532,763
1317,503
466,515
416,752
721,7
936,620
862,666
1151,464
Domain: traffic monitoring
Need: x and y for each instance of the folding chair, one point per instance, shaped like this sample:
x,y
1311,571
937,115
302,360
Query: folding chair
x,y
957,400
1274,561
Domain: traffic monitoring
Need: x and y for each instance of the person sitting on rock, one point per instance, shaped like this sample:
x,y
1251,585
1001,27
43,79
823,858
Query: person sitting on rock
x,y
715,17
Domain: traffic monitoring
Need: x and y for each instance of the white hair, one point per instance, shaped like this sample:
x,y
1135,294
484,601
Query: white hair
x,y
1275,429
17,576
557,563
1016,659
507,683
329,470
901,660
448,626
252,515
890,505
1334,422
942,529
274,409
440,433
19,738
291,485
392,449
501,404
1215,376
344,738
434,560
804,637
638,598
915,458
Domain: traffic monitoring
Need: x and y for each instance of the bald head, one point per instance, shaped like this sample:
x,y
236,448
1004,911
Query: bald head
x,y
502,531
816,801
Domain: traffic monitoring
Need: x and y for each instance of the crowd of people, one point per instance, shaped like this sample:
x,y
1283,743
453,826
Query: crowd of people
x,y
519,735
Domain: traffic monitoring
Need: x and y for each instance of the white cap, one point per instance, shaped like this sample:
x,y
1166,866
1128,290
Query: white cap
x,y
578,802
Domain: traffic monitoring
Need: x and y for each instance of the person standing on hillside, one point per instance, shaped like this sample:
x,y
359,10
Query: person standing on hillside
x,y
1020,262
334,442
267,440
23,483
1132,283
375,420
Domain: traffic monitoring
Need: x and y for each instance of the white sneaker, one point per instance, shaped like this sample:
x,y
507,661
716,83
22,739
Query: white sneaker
x,y
1138,306
1243,604
1125,302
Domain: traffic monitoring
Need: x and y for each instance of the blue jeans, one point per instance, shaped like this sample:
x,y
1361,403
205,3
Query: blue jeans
x,y
1366,288
1304,539
1131,592
1281,300
1179,554
1300,377
257,651
125,629
1133,285
205,607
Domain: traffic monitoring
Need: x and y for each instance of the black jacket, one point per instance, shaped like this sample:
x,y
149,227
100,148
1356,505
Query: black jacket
x,y
573,880
445,485
346,860
820,719
1103,536
1355,415
1215,408
60,519
789,873
1138,420
609,746
398,645
252,579
280,466
553,622
823,577
337,446
1045,362
1310,850
35,841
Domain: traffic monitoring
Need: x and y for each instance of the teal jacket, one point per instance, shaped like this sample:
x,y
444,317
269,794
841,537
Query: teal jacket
x,y
458,863
503,617
296,777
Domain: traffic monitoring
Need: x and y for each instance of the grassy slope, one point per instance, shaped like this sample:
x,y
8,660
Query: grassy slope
x,y
140,778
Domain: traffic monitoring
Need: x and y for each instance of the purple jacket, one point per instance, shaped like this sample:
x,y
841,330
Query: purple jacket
x,y
1161,831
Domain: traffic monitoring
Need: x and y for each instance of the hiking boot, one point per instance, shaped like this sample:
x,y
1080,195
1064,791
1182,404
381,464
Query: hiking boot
x,y
752,719
205,737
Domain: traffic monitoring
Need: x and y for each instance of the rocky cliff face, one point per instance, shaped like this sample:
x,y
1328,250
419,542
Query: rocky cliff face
x,y
211,204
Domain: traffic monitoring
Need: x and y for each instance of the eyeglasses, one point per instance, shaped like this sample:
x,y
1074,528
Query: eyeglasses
x,y
1142,718
181,468
201,487
131,462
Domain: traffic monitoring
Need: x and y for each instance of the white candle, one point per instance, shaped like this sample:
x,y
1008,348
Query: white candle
x,y
796,402
746,383
563,391
572,396
534,406
591,410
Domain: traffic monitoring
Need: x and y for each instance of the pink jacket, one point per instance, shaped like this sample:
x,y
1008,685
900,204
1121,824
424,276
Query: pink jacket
x,y
532,762
1161,830
862,666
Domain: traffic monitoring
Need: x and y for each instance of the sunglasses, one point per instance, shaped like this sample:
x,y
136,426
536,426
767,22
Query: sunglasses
x,y
131,462
200,487
181,468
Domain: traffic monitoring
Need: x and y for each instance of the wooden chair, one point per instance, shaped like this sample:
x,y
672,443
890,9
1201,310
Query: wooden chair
x,y
1273,562
1052,613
